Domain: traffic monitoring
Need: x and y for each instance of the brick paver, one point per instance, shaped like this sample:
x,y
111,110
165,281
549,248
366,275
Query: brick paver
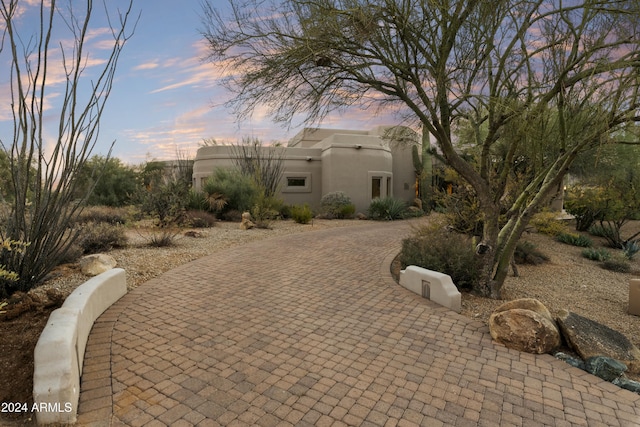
x,y
309,329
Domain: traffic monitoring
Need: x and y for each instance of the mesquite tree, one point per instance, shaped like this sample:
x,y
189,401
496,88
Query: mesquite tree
x,y
58,92
538,74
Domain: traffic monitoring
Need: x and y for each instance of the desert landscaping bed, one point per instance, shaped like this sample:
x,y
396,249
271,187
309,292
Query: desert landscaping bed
x,y
568,281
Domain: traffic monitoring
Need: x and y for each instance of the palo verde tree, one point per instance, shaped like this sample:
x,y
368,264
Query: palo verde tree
x,y
58,92
504,65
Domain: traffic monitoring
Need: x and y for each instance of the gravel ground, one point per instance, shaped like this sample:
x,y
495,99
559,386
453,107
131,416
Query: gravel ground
x,y
568,281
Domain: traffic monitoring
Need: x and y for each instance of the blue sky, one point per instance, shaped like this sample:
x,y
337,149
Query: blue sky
x,y
166,98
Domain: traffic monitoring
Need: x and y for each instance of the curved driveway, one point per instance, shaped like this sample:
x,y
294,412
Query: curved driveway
x,y
309,329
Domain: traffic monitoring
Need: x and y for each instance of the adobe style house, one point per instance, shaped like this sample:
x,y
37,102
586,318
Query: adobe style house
x,y
363,164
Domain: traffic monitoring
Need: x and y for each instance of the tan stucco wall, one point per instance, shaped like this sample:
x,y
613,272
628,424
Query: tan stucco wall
x,y
332,160
347,164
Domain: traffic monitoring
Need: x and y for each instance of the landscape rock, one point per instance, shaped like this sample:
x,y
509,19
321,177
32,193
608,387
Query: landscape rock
x,y
605,367
573,361
627,384
92,265
524,325
526,304
198,234
589,339
246,223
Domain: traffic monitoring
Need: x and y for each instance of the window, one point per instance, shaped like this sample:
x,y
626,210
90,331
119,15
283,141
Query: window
x,y
376,186
296,181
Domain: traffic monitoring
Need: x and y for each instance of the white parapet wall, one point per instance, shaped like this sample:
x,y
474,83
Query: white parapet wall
x,y
59,353
437,287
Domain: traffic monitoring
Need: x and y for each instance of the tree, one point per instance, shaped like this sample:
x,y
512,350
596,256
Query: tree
x,y
58,94
498,65
113,183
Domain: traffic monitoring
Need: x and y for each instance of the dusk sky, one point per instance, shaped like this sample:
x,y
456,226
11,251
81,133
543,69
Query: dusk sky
x,y
165,97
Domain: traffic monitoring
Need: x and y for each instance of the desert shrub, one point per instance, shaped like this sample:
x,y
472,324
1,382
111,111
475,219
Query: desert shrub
x,y
462,209
231,215
586,204
197,201
199,219
7,275
596,254
443,251
387,209
285,211
301,214
617,264
630,248
609,231
574,240
548,223
527,253
107,214
165,200
163,237
73,253
336,205
228,190
100,237
265,210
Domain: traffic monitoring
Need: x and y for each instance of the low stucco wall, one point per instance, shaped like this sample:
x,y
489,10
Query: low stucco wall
x,y
435,286
59,353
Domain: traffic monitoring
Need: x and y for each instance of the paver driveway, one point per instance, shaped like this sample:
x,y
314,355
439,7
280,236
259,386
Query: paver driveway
x,y
309,329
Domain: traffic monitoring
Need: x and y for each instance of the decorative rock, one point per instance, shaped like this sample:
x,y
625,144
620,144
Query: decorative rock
x,y
196,234
92,265
576,363
517,326
246,223
627,384
361,216
589,339
526,304
605,367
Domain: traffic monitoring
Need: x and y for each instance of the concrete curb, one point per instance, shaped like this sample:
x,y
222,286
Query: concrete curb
x,y
59,353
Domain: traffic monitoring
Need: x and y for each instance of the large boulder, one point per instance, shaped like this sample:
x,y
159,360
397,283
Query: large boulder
x,y
589,339
92,265
525,325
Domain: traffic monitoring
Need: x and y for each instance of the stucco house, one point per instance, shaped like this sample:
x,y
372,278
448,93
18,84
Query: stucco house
x,y
363,164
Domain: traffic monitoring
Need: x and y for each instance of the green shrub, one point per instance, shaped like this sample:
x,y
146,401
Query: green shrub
x,y
599,254
101,237
617,264
527,253
285,211
574,240
443,251
197,201
199,219
301,214
586,204
108,214
387,209
548,223
228,190
630,248
610,232
336,205
265,210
